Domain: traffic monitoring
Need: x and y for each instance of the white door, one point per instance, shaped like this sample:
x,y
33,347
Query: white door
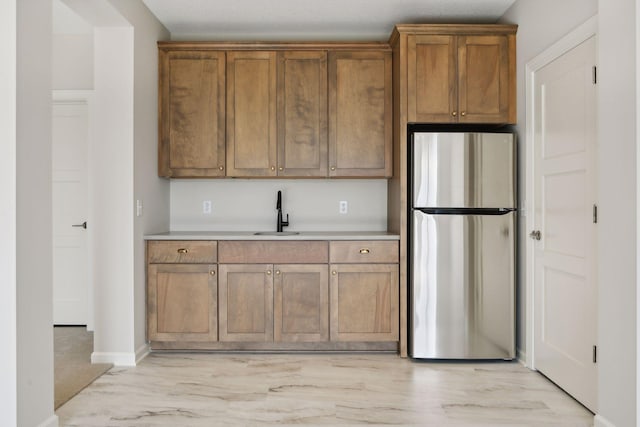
x,y
70,205
564,197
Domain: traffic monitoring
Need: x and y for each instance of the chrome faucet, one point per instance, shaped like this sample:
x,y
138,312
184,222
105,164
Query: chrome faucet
x,y
280,223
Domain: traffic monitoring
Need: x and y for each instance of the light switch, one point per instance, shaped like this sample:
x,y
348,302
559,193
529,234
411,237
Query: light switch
x,y
138,207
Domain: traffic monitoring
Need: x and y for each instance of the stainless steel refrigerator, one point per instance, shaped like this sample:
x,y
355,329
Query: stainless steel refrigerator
x,y
462,246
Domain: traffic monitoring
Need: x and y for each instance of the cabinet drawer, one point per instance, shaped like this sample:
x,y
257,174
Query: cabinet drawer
x,y
182,251
363,251
273,252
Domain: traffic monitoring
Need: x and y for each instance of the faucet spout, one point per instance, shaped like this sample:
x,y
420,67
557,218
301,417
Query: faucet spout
x,y
279,222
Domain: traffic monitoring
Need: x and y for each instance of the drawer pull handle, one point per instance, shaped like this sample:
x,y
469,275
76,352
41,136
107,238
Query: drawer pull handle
x,y
183,251
212,272
364,251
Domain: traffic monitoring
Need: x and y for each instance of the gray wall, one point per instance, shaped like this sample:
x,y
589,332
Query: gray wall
x,y
33,211
248,205
540,24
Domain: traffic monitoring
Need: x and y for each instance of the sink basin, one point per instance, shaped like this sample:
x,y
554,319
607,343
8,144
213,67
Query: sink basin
x,y
276,233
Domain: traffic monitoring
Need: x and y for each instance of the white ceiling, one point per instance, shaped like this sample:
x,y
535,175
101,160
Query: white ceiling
x,y
313,19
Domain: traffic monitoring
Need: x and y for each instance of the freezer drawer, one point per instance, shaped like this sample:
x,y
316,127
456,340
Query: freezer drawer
x,y
462,286
463,170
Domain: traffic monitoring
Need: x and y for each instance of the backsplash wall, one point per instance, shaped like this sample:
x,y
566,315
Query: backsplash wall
x,y
250,205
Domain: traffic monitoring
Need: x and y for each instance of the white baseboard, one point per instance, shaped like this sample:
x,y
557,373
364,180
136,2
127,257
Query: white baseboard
x,y
52,421
600,421
117,359
121,359
142,352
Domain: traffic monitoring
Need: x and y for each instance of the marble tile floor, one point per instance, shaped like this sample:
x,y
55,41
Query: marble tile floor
x,y
200,389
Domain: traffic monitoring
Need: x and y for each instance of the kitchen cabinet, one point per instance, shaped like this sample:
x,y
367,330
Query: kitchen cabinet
x,y
301,303
192,114
251,114
243,110
360,116
462,78
273,290
272,295
302,113
182,291
246,302
364,291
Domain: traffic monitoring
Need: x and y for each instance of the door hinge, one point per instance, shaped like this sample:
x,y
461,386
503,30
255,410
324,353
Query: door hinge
x,y
595,214
595,74
595,354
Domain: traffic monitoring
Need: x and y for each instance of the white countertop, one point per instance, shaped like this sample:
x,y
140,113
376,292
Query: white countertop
x,y
250,235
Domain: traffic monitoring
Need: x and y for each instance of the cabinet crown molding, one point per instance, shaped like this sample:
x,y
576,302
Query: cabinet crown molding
x,y
452,29
256,45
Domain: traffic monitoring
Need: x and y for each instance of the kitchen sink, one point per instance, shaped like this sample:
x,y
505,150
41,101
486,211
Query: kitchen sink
x,y
276,233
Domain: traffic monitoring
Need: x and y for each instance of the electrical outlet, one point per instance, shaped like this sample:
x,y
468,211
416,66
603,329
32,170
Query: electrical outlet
x,y
344,207
206,207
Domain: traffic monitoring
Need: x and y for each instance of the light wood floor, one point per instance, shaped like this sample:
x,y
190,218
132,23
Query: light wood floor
x,y
312,389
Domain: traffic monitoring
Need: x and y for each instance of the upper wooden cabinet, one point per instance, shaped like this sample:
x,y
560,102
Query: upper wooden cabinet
x,y
360,116
275,109
458,73
192,114
251,113
302,113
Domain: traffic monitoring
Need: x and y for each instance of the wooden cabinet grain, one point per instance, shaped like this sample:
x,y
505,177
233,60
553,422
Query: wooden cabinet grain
x,y
302,113
360,116
246,302
182,302
301,303
192,114
251,114
460,78
364,291
272,295
182,291
364,302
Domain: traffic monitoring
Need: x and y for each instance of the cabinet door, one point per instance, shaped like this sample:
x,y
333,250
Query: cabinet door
x,y
302,114
360,116
251,114
301,303
484,86
182,302
432,85
364,302
246,302
192,114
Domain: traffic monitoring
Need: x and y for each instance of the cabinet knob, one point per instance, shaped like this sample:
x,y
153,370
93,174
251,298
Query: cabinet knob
x,y
454,113
364,251
183,251
333,168
268,272
278,272
221,168
464,113
212,272
273,168
280,168
334,272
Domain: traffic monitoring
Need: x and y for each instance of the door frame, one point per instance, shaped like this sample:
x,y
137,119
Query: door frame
x,y
83,97
579,35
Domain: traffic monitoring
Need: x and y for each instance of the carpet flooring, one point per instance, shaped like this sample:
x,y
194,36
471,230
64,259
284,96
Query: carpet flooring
x,y
73,370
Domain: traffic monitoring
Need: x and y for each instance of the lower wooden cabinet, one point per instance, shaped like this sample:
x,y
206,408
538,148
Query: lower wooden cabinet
x,y
301,303
246,302
331,296
364,302
182,303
